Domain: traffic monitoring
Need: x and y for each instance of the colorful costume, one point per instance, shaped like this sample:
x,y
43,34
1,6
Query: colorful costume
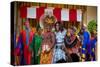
x,y
27,37
85,46
93,48
19,49
59,53
36,46
47,43
72,45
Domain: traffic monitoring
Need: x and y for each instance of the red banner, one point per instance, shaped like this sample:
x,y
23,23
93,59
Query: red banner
x,y
57,13
73,15
23,12
39,12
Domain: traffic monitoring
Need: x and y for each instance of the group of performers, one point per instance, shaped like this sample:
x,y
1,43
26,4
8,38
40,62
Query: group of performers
x,y
47,46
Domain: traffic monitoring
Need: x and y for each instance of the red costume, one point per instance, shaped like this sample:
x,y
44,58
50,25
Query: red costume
x,y
27,52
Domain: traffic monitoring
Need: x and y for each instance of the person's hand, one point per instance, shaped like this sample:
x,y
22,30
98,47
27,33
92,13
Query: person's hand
x,y
47,50
38,53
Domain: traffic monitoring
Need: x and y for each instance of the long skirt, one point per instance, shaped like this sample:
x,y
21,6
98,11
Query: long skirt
x,y
46,58
58,54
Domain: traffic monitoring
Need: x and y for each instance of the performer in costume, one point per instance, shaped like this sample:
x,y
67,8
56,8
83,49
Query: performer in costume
x,y
36,47
27,36
72,44
59,53
47,20
16,57
47,45
17,48
85,44
93,42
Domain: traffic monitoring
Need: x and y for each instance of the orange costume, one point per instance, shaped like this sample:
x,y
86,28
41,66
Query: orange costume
x,y
47,44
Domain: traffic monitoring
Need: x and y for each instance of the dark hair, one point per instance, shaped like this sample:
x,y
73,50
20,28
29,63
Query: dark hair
x,y
60,25
58,22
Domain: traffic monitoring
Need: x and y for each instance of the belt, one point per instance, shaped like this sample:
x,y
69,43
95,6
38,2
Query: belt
x,y
58,47
59,42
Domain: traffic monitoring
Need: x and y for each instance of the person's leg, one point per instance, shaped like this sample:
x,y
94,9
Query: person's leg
x,y
88,58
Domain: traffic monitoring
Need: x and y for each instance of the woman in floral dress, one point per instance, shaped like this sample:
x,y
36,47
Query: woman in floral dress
x,y
59,54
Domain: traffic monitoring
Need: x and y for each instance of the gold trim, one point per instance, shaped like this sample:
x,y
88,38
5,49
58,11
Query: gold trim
x,y
83,55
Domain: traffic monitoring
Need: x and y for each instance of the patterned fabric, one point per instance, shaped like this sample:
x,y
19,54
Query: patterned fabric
x,y
26,51
58,53
46,54
60,36
46,58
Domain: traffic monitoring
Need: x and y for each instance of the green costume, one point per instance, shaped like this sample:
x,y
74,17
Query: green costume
x,y
35,46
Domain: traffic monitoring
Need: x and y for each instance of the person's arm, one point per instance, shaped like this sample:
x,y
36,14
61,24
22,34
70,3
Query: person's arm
x,y
53,40
39,51
40,48
70,41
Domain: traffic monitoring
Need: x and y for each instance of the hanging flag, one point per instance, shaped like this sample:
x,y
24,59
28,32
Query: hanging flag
x,y
23,12
57,13
79,15
65,14
72,15
31,12
39,12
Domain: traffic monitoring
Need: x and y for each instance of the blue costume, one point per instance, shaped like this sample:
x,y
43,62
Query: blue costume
x,y
21,47
93,47
85,44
